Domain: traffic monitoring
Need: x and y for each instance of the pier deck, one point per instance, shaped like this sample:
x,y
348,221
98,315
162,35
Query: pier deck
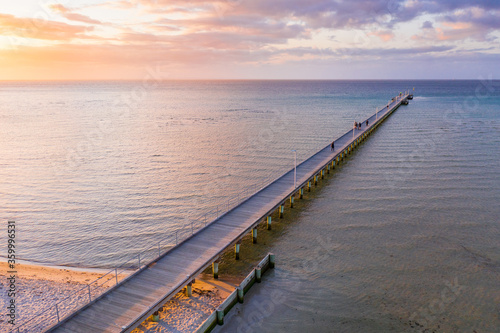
x,y
129,303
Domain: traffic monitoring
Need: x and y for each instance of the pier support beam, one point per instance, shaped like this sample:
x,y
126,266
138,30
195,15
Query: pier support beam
x,y
309,186
269,222
291,201
322,173
237,250
282,209
156,317
301,195
189,289
220,316
215,269
258,274
316,180
241,295
254,235
328,169
272,260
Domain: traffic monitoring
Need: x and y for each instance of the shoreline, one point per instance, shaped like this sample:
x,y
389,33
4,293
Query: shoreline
x,y
83,269
59,274
40,286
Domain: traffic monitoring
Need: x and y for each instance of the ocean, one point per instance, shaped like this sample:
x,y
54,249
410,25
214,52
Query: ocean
x,y
403,237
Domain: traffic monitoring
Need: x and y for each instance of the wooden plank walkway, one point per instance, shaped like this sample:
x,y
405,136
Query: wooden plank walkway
x,y
129,303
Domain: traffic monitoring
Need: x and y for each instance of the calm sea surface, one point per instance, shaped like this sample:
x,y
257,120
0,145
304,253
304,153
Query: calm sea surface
x,y
406,231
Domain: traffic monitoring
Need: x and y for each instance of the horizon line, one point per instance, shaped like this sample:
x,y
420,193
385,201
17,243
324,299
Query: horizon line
x,y
242,79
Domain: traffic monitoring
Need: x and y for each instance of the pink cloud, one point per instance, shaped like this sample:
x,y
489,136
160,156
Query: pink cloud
x,y
68,14
385,35
40,29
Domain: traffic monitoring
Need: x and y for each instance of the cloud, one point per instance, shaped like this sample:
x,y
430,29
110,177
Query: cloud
x,y
68,14
384,35
40,29
254,32
471,23
427,25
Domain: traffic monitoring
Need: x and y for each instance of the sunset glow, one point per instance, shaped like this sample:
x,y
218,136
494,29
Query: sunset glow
x,y
258,39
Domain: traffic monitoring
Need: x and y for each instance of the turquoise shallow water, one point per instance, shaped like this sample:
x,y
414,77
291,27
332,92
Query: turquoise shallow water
x,y
406,231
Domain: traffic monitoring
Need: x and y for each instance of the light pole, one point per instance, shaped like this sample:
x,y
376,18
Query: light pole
x,y
295,169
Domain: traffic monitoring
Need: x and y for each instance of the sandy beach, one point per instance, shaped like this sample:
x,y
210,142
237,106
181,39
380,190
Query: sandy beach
x,y
40,286
185,314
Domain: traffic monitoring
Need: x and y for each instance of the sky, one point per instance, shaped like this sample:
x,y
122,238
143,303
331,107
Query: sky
x,y
249,39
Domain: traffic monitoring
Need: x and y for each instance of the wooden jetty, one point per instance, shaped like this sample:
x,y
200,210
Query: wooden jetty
x,y
126,305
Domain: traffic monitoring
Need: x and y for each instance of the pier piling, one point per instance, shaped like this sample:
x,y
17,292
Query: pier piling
x,y
220,316
215,269
237,250
272,260
258,274
241,294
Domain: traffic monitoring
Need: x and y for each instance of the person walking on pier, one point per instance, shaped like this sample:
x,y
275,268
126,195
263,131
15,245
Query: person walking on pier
x,y
367,123
333,145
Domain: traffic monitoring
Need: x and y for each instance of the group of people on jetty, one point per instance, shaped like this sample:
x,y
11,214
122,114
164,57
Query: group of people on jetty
x,y
356,126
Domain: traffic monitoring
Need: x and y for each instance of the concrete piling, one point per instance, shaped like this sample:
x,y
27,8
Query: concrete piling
x,y
215,269
291,201
258,274
254,235
282,209
301,196
241,295
189,289
237,250
220,316
272,260
269,222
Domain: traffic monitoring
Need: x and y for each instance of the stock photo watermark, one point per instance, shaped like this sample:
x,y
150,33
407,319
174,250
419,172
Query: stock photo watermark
x,y
459,116
425,317
269,301
122,107
11,272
